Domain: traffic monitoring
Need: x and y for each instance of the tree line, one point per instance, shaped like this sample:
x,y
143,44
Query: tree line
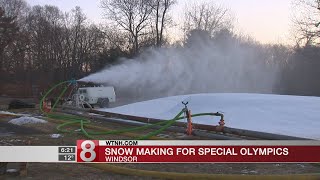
x,y
41,45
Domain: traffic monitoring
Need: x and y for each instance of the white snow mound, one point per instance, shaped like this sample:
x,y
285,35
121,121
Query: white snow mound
x,y
26,120
6,112
11,113
281,114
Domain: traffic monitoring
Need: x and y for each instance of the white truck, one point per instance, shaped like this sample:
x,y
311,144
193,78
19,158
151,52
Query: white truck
x,y
100,96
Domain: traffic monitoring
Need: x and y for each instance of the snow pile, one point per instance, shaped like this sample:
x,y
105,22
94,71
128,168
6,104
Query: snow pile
x,y
281,114
10,113
6,112
26,120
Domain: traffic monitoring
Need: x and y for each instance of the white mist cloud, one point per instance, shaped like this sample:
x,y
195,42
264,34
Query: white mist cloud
x,y
206,66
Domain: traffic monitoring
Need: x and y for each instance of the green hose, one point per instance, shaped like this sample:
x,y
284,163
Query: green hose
x,y
82,121
72,120
168,124
48,92
61,94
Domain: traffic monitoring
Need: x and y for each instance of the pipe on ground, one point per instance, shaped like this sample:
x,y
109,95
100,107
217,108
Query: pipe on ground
x,y
127,134
172,128
229,130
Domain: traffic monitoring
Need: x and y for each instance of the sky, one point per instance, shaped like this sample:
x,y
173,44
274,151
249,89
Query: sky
x,y
266,21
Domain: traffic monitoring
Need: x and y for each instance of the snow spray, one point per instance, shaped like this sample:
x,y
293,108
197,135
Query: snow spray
x,y
201,67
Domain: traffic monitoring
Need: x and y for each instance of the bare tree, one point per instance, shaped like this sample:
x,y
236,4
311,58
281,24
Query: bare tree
x,y
207,17
306,20
131,15
8,33
77,38
161,18
11,35
45,37
15,8
115,39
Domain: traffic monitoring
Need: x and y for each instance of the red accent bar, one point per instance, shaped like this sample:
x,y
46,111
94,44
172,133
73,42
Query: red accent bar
x,y
202,154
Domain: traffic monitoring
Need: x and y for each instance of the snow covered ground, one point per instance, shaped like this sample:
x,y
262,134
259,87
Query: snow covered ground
x,y
281,114
6,112
11,113
26,120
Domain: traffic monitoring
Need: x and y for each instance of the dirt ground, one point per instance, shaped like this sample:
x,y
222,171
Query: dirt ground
x,y
39,134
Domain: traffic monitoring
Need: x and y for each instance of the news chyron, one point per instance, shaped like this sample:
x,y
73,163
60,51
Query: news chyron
x,y
195,151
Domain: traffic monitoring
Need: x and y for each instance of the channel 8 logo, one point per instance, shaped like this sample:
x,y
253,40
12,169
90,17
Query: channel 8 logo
x,y
87,150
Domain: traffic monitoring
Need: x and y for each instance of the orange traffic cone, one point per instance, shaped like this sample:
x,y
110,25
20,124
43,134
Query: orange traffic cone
x,y
46,106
